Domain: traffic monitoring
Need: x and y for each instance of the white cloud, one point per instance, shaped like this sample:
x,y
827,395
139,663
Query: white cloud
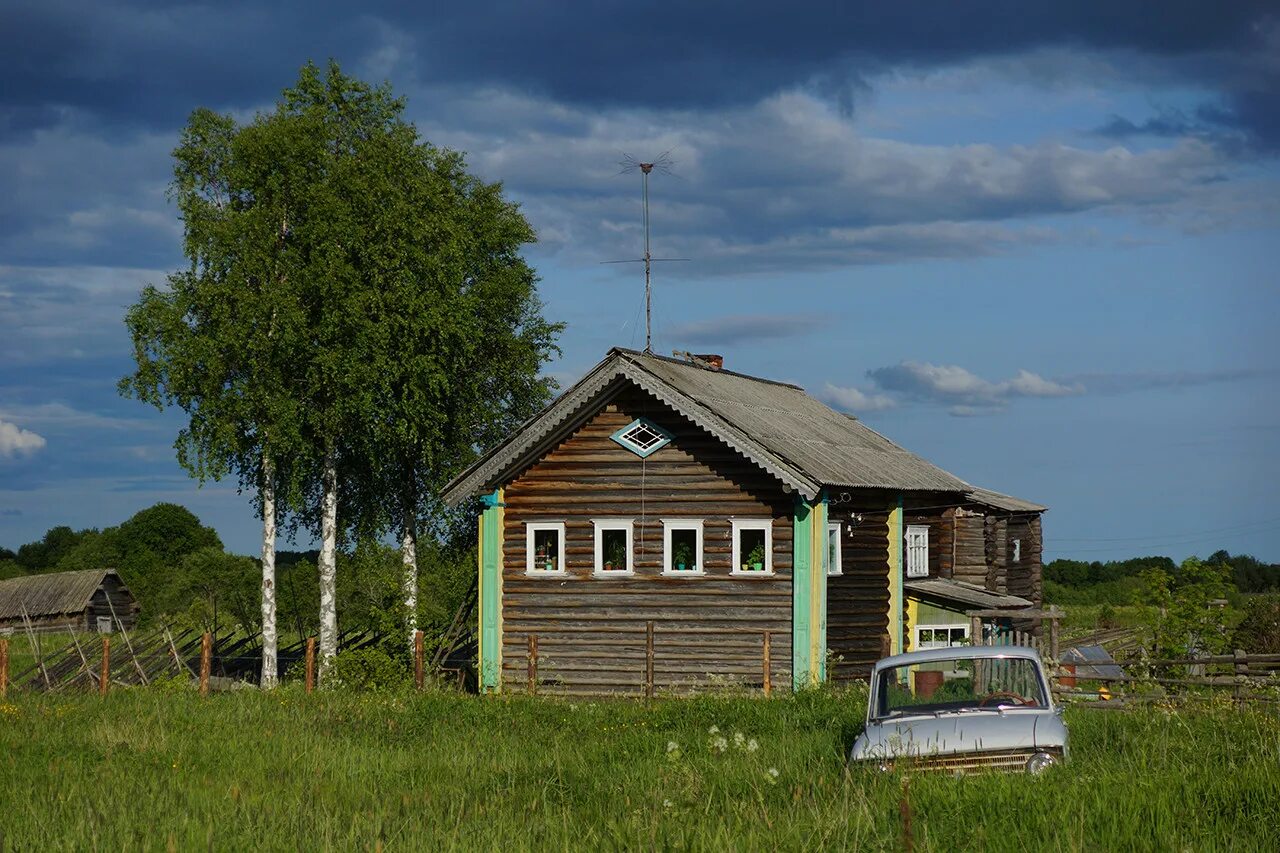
x,y
14,440
963,391
791,183
855,399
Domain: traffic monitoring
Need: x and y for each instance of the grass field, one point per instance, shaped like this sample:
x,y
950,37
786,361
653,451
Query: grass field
x,y
160,768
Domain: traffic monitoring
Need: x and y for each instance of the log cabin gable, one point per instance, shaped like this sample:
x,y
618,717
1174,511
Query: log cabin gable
x,y
625,395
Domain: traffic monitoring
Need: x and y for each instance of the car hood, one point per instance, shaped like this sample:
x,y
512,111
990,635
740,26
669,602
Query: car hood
x,y
975,731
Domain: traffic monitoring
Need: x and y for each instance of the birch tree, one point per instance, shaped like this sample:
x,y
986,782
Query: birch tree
x,y
467,340
218,340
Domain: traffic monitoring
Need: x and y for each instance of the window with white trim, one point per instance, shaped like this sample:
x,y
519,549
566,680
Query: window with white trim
x,y
918,551
642,437
940,636
613,551
681,546
752,546
544,548
834,564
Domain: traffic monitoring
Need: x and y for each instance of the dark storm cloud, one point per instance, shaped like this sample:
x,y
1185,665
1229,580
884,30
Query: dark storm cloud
x,y
149,63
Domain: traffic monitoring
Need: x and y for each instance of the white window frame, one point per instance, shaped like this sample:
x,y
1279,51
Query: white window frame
x,y
917,645
603,524
670,525
1017,551
836,568
530,568
917,566
740,524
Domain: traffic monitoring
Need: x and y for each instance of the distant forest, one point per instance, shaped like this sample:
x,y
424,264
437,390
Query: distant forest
x,y
179,571
1124,581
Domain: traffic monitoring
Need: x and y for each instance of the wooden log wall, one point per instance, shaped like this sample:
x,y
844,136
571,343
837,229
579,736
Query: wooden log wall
x,y
591,630
970,548
858,598
126,607
996,532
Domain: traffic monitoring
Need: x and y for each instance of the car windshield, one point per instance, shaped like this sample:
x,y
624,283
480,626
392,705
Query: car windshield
x,y
959,684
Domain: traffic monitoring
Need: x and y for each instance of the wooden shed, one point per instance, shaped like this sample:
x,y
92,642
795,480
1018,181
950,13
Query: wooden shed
x,y
667,523
90,600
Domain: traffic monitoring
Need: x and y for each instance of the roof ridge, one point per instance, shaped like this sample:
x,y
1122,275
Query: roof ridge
x,y
682,363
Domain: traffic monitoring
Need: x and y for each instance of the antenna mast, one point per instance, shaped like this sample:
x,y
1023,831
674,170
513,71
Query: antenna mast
x,y
645,169
663,165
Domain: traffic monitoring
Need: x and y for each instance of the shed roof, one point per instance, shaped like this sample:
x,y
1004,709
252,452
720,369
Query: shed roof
x,y
999,501
51,594
965,594
803,442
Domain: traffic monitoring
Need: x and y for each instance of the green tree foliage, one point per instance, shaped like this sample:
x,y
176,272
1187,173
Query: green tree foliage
x,y
44,554
1119,582
1191,604
1259,631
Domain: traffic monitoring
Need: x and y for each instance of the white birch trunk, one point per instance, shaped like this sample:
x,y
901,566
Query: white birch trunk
x,y
269,673
328,564
409,554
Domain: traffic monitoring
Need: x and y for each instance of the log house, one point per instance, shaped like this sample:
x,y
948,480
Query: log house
x,y
646,530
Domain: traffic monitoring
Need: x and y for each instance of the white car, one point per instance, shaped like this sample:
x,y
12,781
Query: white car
x,y
962,709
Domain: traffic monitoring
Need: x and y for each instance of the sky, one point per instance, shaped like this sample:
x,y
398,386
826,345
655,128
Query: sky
x,y
1035,243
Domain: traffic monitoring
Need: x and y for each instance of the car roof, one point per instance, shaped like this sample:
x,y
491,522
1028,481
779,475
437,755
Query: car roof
x,y
957,652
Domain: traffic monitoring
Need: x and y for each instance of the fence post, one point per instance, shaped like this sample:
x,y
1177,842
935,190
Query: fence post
x,y
1241,668
767,660
1053,633
4,667
206,662
533,664
311,664
648,660
105,681
417,660
975,630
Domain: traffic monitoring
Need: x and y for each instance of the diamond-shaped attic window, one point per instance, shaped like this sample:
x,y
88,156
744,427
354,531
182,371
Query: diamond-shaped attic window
x,y
642,437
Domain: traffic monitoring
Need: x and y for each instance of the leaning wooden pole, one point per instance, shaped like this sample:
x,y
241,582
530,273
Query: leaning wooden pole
x,y
4,666
35,647
127,643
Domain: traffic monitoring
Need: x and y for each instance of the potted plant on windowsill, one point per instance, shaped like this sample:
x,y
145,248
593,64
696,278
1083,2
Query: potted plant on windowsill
x,y
616,558
683,558
755,560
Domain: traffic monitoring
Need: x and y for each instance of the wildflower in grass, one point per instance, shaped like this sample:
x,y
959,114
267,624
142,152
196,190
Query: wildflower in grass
x,y
739,740
672,746
719,744
771,776
714,730
666,804
752,745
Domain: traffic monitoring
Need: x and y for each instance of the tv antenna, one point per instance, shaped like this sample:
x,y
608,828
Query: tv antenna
x,y
663,165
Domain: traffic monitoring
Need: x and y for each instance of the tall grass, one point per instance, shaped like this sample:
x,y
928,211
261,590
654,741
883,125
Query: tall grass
x,y
155,768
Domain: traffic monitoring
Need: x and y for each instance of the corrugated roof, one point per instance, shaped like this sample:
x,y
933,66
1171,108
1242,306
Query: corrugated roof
x,y
999,501
965,594
800,440
50,595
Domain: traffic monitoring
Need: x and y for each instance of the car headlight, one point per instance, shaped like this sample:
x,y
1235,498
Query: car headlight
x,y
1041,762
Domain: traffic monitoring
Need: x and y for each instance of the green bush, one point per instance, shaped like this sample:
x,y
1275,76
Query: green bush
x,y
369,670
